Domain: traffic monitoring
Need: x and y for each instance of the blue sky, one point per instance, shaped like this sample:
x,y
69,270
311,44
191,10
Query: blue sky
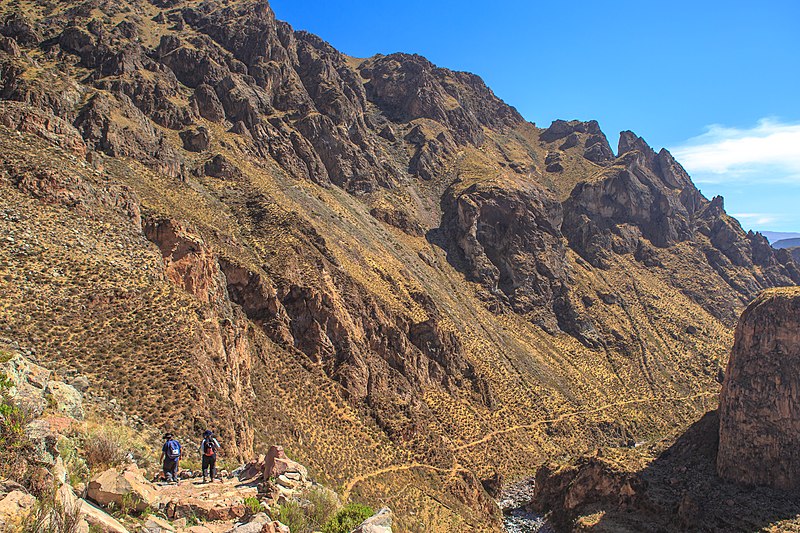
x,y
715,82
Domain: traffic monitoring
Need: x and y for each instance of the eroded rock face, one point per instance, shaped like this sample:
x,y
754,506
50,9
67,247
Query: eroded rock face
x,y
591,480
407,87
511,242
574,132
760,403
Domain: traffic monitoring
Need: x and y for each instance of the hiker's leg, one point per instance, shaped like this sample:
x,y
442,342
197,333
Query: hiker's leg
x,y
205,467
167,468
175,471
213,466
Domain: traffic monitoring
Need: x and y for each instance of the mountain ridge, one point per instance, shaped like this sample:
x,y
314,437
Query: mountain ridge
x,y
376,266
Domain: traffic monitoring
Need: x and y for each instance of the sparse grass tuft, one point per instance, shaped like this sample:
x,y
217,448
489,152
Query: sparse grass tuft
x,y
52,516
103,450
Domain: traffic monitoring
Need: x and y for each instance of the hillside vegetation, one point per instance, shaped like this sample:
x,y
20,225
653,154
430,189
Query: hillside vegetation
x,y
376,263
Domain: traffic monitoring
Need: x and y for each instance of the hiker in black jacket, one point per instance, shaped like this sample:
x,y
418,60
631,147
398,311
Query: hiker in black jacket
x,y
208,449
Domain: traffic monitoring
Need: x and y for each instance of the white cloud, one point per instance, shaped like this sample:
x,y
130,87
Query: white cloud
x,y
756,218
767,152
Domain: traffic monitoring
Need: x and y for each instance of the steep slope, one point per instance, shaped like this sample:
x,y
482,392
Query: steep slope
x,y
375,262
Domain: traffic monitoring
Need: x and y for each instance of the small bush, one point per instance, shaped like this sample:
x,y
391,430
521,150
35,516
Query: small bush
x,y
126,507
253,505
292,515
322,505
16,450
103,450
77,470
347,518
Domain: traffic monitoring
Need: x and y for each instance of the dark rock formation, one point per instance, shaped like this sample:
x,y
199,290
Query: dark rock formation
x,y
408,87
510,241
220,167
591,480
398,218
595,143
196,140
759,434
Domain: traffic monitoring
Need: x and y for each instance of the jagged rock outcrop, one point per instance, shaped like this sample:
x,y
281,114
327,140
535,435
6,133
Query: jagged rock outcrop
x,y
573,132
510,241
759,435
398,218
408,87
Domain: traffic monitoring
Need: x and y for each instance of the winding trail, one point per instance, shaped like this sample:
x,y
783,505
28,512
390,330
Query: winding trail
x,y
350,485
493,434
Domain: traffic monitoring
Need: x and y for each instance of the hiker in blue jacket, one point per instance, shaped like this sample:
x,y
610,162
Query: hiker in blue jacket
x,y
171,454
208,449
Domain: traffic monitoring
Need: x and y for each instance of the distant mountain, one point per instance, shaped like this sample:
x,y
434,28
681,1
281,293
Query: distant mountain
x,y
786,243
775,236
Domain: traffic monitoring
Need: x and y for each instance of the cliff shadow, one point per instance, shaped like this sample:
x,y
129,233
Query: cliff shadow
x,y
684,493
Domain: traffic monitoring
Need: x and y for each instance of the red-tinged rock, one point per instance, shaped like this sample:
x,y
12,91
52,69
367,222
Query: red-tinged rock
x,y
278,463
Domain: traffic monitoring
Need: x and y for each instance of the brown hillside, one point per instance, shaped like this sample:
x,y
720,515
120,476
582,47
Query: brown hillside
x,y
376,263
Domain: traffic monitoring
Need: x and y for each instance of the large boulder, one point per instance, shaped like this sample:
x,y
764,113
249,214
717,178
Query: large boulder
x,y
65,399
28,383
14,507
277,464
380,522
112,486
759,434
98,520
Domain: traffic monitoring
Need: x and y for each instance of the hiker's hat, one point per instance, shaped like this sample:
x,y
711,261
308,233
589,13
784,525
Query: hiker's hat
x,y
207,433
167,435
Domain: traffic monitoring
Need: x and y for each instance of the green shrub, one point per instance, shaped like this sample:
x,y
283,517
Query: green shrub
x,y
347,518
126,507
292,515
253,505
77,470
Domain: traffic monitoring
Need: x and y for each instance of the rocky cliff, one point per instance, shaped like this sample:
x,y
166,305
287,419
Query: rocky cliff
x,y
374,259
759,431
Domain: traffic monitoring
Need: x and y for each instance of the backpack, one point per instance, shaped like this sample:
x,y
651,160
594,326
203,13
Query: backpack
x,y
208,447
173,449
